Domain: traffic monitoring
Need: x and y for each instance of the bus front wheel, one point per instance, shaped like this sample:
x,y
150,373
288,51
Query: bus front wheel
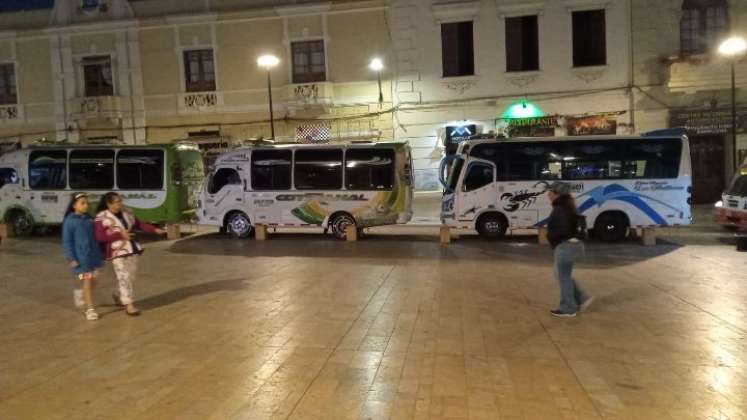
x,y
21,223
491,226
339,225
611,227
239,226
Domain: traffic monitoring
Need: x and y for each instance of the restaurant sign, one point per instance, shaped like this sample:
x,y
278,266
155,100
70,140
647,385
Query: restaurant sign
x,y
530,127
708,121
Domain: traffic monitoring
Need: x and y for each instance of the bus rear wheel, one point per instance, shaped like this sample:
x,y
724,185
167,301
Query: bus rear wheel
x,y
239,226
491,226
611,227
339,224
21,223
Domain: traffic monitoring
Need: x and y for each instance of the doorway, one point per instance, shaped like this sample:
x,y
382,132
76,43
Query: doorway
x,y
707,155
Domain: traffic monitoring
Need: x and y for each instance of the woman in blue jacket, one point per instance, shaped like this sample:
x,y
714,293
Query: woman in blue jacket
x,y
82,252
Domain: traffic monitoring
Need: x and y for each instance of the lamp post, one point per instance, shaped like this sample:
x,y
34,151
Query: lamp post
x,y
377,65
733,48
267,62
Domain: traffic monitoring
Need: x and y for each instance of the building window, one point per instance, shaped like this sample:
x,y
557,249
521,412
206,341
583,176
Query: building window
x,y
199,70
457,49
522,44
589,38
97,76
704,23
308,61
8,84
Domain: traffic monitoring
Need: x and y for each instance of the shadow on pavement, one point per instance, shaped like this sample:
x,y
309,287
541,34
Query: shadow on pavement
x,y
518,249
177,295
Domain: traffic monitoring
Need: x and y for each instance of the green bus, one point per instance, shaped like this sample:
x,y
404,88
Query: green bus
x,y
160,183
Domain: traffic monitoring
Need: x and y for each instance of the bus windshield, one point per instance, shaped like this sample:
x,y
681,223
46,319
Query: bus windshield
x,y
456,170
739,186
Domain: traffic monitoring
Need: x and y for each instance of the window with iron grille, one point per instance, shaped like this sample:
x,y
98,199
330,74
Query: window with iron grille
x,y
589,38
308,61
199,70
97,76
522,44
704,23
8,84
457,49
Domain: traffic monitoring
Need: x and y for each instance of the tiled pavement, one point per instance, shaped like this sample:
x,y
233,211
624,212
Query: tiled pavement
x,y
306,327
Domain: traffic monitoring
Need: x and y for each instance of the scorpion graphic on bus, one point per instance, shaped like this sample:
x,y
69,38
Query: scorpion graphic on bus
x,y
524,198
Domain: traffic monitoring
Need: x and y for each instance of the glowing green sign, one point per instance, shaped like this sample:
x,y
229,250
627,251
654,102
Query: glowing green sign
x,y
523,109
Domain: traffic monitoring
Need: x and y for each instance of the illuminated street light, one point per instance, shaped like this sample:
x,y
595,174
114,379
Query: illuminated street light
x,y
733,48
268,61
377,65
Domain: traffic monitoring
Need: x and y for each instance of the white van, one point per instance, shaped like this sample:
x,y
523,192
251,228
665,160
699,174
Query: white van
x,y
619,183
331,186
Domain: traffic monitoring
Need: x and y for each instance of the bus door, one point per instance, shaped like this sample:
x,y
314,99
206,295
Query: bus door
x,y
478,190
224,192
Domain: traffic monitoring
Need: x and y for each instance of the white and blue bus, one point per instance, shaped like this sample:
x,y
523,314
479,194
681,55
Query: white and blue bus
x,y
619,183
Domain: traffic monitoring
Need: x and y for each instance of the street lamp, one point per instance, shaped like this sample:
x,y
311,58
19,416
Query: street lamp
x,y
733,49
268,61
377,65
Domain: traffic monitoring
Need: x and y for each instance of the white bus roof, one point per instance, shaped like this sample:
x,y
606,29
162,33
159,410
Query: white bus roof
x,y
240,154
470,143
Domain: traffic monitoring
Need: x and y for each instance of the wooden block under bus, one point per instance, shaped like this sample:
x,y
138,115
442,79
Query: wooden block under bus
x,y
445,234
351,233
542,236
173,231
6,231
649,236
260,232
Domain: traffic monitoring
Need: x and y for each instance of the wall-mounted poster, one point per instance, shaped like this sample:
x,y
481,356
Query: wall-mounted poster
x,y
591,126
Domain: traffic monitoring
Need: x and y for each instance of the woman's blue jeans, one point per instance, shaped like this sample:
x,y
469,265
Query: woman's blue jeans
x,y
571,295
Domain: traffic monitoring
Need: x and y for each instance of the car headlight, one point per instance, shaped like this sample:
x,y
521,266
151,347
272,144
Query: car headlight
x,y
719,204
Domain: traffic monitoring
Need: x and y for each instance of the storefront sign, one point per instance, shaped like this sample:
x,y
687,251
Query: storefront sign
x,y
590,126
532,127
710,121
456,134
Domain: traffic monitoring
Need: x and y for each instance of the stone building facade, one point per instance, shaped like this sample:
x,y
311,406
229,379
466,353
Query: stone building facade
x,y
159,70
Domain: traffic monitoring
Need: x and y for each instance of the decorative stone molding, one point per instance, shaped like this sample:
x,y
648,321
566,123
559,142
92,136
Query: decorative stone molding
x,y
90,106
460,85
522,79
199,101
10,113
519,9
577,5
454,11
590,74
306,93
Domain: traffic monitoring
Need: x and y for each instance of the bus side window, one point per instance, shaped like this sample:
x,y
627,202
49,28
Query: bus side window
x,y
271,170
223,177
140,169
319,169
48,170
369,169
92,169
478,176
8,176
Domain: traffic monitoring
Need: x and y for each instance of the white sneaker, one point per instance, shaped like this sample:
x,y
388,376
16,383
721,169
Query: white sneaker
x,y
91,314
78,298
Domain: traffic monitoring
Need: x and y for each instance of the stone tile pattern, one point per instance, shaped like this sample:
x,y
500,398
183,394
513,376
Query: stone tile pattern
x,y
306,327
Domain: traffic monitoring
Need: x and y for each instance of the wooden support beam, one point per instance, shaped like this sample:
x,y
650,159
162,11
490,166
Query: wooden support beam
x,y
173,231
351,233
542,236
260,232
649,236
445,235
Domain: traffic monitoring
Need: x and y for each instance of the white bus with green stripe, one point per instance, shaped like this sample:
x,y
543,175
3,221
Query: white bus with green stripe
x,y
331,186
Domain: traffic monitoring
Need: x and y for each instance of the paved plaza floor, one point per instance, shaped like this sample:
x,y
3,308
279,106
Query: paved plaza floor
x,y
400,327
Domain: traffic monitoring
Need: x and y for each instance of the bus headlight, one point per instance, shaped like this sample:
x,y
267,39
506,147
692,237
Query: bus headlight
x,y
719,204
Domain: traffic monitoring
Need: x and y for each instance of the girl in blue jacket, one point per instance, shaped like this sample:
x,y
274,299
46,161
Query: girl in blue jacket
x,y
82,252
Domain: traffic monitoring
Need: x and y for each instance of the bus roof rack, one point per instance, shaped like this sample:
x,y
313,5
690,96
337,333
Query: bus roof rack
x,y
666,132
